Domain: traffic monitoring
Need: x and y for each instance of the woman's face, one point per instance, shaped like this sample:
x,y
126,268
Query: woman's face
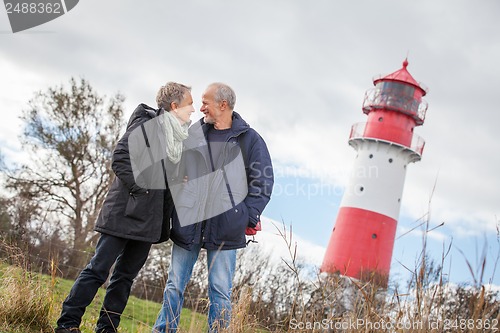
x,y
184,110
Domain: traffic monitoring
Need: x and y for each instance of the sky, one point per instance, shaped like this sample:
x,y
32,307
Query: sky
x,y
300,71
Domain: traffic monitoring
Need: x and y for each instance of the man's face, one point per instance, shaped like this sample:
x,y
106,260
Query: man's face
x,y
209,107
185,109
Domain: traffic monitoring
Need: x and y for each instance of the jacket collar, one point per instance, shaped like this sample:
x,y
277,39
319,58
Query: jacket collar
x,y
142,111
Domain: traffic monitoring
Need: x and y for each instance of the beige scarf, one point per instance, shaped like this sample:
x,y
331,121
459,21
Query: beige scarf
x,y
175,134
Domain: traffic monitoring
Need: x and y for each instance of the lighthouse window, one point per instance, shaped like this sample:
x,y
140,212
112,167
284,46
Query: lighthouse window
x,y
370,156
396,88
390,160
374,236
381,119
397,95
361,188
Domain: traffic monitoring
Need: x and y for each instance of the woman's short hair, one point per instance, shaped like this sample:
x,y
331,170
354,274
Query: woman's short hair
x,y
171,92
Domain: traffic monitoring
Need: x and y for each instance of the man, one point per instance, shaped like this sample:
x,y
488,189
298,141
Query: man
x,y
133,215
229,182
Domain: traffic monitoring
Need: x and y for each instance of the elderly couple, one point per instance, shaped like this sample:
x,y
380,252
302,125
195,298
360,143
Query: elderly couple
x,y
203,187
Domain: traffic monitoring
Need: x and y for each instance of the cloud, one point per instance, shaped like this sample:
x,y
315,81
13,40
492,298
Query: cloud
x,y
279,240
300,71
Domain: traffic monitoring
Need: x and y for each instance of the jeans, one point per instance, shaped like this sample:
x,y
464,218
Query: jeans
x,y
221,266
128,256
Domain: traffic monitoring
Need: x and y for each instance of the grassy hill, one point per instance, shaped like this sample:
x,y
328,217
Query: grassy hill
x,y
32,303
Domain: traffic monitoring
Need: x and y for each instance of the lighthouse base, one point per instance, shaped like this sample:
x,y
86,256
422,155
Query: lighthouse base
x,y
361,245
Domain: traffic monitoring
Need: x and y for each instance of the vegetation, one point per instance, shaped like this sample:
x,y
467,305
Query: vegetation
x,y
268,297
31,302
287,302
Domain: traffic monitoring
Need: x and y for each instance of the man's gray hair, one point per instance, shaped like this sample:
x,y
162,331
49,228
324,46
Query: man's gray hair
x,y
171,92
223,92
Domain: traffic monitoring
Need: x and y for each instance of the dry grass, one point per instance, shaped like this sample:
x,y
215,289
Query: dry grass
x,y
333,303
330,303
26,298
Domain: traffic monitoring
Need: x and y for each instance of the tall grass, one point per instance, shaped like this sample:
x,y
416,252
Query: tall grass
x,y
333,303
30,302
25,301
289,301
25,297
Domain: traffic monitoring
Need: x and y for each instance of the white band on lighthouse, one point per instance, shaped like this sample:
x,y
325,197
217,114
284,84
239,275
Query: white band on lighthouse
x,y
377,182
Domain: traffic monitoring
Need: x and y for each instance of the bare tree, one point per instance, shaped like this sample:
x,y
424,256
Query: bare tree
x,y
5,221
69,135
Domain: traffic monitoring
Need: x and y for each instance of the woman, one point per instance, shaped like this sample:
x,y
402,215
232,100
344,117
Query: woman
x,y
137,209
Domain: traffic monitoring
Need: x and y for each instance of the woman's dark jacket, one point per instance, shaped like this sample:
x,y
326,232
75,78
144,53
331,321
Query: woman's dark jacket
x,y
132,211
219,184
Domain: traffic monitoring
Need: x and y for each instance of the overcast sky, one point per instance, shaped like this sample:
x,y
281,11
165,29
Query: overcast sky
x,y
300,70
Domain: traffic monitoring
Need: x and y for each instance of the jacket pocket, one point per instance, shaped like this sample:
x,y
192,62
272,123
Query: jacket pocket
x,y
231,225
187,211
139,206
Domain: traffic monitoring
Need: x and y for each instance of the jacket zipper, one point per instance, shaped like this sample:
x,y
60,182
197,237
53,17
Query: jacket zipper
x,y
203,225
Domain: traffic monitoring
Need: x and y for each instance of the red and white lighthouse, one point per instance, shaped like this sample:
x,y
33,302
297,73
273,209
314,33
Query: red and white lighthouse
x,y
362,239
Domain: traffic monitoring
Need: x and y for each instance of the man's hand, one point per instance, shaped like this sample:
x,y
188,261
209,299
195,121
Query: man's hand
x,y
253,231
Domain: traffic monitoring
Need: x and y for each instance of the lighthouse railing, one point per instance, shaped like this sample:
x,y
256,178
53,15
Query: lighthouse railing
x,y
358,132
393,100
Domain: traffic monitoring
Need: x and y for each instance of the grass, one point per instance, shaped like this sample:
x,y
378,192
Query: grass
x,y
25,301
31,302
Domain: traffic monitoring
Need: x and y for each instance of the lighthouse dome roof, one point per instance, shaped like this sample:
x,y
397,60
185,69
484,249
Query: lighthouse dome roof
x,y
401,75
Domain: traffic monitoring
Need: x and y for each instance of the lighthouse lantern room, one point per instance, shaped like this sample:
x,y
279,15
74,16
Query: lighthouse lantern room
x,y
362,239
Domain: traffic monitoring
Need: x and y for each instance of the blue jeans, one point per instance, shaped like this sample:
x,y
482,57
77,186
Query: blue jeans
x,y
221,266
128,256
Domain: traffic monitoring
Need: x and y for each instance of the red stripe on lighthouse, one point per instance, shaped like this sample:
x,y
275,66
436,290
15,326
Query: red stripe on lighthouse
x,y
390,126
361,243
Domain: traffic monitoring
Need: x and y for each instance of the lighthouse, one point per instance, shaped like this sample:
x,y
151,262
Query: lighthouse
x,y
362,239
